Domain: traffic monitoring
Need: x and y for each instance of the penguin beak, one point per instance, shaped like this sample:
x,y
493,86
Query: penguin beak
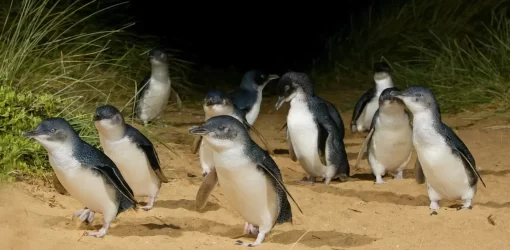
x,y
96,118
279,103
30,134
198,130
396,94
272,77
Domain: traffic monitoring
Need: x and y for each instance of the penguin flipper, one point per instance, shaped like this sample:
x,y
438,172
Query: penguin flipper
x,y
205,189
461,149
196,144
177,97
268,166
335,115
260,136
360,105
322,138
364,146
418,172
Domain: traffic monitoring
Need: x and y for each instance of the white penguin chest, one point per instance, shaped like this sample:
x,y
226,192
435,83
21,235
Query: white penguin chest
x,y
392,142
133,165
443,171
155,98
252,115
246,188
83,184
303,132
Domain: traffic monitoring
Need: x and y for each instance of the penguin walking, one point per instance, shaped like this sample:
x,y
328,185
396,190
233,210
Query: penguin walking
x,y
131,151
249,178
448,166
313,134
248,96
389,144
155,89
85,172
368,103
217,103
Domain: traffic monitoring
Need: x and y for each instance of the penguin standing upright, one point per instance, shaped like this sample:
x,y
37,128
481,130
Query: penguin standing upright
x,y
155,89
389,144
85,172
448,166
314,136
369,102
248,96
249,178
131,151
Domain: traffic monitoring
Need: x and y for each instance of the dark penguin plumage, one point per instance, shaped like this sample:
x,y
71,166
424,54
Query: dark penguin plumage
x,y
217,103
368,103
389,144
448,166
248,96
249,178
85,172
155,89
133,153
314,136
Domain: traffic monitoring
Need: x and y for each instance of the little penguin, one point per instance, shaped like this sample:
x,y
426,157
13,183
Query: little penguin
x,y
249,178
132,152
155,89
217,103
448,166
368,103
314,136
248,96
86,173
389,144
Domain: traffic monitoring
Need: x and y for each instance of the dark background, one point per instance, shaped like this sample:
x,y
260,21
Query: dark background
x,y
245,36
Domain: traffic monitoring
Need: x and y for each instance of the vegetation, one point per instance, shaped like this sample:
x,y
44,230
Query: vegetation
x,y
461,50
56,61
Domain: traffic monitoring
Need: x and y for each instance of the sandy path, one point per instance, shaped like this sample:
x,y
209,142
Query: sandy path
x,y
354,215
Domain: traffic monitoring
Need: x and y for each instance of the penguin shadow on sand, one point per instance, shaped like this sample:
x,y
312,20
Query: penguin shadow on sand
x,y
189,205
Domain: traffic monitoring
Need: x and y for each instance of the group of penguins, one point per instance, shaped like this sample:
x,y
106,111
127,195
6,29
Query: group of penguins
x,y
397,121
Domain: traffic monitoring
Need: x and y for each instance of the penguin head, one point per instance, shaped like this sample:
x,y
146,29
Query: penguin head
x,y
381,70
290,84
107,118
388,96
217,102
418,99
255,80
158,57
52,133
222,132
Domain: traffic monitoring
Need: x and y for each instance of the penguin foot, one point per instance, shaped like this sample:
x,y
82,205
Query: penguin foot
x,y
434,205
85,215
463,207
99,234
250,229
379,180
150,204
309,180
398,176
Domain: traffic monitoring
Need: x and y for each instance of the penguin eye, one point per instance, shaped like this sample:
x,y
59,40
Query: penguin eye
x,y
221,128
52,130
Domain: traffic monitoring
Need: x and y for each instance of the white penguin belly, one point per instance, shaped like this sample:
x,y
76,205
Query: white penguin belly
x,y
303,133
86,186
391,147
365,119
254,111
443,171
154,100
246,189
133,165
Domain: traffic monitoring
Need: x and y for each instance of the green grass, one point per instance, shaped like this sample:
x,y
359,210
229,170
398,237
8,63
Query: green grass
x,y
461,51
56,61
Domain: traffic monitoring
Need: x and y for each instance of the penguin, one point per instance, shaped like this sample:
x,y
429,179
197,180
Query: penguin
x,y
448,166
132,152
369,102
249,179
86,173
217,103
313,135
155,89
389,144
248,96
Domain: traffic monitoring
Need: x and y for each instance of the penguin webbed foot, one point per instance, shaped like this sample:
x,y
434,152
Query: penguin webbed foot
x,y
467,205
250,229
150,204
379,180
99,234
399,175
434,205
258,241
307,180
85,215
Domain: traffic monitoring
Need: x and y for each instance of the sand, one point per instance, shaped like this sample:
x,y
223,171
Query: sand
x,y
352,215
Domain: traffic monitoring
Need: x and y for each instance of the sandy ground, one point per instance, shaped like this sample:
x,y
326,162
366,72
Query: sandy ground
x,y
353,215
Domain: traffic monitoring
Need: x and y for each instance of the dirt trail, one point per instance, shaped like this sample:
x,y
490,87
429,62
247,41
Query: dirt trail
x,y
353,215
